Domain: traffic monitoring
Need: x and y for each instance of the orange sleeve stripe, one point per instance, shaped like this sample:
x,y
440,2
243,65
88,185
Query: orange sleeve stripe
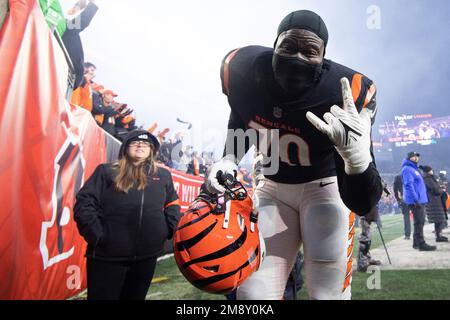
x,y
173,203
356,86
226,71
370,94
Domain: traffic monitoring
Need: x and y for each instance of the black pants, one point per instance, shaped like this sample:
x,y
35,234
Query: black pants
x,y
419,221
119,280
438,227
406,220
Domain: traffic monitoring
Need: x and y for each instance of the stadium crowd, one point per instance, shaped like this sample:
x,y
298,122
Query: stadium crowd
x,y
117,118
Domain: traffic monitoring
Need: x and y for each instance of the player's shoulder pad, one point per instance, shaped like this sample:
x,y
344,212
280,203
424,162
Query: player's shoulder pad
x,y
363,89
238,66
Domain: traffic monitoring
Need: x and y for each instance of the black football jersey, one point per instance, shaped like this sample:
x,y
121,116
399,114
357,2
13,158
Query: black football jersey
x,y
257,102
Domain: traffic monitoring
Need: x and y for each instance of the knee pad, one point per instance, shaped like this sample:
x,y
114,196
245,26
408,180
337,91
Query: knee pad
x,y
325,232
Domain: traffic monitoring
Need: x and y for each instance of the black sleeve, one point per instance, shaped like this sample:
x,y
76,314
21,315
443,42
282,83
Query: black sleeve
x,y
232,143
96,101
373,215
96,108
360,192
172,206
231,76
87,207
398,187
87,15
106,111
109,112
81,22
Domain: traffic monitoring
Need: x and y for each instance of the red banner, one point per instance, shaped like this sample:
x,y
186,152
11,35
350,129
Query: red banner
x,y
187,186
49,149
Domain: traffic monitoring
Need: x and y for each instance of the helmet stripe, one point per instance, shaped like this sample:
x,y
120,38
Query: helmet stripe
x,y
195,220
222,252
200,283
192,241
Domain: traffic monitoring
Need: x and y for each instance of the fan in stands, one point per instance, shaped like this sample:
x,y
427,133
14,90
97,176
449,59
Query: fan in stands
x,y
217,244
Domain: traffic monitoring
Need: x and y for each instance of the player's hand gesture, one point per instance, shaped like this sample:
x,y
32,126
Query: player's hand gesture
x,y
348,130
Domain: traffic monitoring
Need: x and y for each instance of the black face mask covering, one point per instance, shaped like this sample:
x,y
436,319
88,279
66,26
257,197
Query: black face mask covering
x,y
294,75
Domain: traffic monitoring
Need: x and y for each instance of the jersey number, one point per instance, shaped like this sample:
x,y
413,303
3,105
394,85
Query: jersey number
x,y
267,137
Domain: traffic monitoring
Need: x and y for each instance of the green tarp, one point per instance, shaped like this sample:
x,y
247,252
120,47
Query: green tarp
x,y
53,15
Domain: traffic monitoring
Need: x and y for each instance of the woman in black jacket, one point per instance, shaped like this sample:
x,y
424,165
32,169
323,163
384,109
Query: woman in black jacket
x,y
125,212
434,207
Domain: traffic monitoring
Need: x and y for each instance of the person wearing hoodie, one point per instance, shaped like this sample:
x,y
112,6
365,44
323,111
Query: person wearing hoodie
x,y
126,211
415,196
434,208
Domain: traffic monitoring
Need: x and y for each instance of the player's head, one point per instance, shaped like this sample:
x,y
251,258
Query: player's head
x,y
299,50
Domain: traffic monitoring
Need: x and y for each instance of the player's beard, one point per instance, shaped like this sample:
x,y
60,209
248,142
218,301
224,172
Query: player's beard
x,y
294,75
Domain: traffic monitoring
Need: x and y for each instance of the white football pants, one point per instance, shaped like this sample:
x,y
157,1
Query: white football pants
x,y
311,214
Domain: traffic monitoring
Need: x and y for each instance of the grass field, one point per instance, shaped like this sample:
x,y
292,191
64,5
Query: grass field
x,y
392,228
169,283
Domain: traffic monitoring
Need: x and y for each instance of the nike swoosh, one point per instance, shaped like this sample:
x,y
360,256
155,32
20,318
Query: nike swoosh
x,y
325,184
347,130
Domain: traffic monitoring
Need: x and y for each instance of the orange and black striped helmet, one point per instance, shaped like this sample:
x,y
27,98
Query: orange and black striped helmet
x,y
217,246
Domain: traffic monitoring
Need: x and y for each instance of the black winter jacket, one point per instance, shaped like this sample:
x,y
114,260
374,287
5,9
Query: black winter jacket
x,y
126,226
434,207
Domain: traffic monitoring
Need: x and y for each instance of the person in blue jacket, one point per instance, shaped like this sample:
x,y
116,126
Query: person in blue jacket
x,y
415,196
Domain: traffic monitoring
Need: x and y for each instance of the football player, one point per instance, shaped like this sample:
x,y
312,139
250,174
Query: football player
x,y
326,167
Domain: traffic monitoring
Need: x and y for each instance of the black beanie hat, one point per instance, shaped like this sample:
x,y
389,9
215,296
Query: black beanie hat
x,y
426,169
138,135
412,154
304,19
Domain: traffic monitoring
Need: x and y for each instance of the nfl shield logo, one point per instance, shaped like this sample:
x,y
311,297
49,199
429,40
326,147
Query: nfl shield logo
x,y
277,112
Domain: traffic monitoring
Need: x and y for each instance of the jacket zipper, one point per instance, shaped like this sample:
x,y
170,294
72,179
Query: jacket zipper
x,y
140,223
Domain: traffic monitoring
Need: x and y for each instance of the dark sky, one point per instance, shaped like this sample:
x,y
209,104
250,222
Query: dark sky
x,y
408,57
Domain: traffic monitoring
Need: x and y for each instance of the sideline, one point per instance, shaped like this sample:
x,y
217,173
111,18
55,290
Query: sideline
x,y
404,257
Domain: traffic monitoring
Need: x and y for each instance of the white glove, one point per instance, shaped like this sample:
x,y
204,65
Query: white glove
x,y
348,130
226,165
258,176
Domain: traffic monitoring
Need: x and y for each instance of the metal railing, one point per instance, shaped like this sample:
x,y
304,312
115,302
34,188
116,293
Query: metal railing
x,y
71,75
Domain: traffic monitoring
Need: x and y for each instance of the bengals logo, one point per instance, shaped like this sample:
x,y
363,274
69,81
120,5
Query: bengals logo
x,y
56,242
